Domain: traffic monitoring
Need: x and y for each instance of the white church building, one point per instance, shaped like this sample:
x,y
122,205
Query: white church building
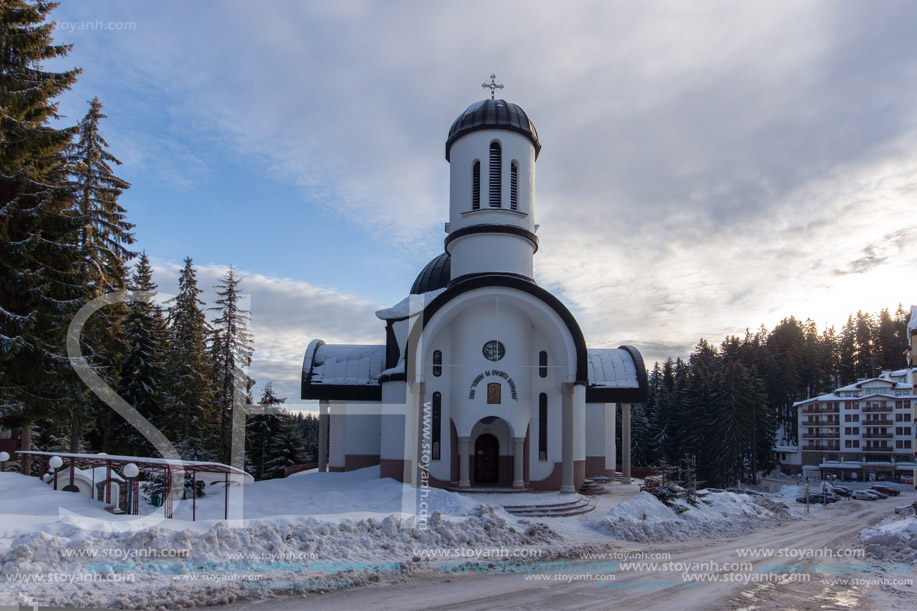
x,y
484,378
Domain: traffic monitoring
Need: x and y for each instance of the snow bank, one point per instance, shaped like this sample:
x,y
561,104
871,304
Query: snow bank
x,y
793,492
52,551
645,518
893,539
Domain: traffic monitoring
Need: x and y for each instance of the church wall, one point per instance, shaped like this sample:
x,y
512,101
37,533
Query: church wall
x,y
337,438
475,325
392,429
595,440
362,436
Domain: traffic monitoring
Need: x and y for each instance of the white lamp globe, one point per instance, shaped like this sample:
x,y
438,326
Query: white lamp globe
x,y
131,470
4,456
55,462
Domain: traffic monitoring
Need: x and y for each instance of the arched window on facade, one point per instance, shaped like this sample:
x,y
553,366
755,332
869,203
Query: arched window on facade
x,y
476,185
514,186
542,426
437,363
496,169
436,424
542,364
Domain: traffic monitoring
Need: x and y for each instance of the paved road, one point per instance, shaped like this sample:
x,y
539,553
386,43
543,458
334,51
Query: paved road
x,y
834,528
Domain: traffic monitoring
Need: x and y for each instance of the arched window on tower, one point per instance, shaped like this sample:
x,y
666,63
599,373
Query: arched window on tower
x,y
542,364
542,426
476,185
436,425
496,169
437,363
514,185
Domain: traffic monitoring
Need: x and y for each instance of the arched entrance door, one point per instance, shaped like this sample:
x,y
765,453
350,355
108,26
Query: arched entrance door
x,y
486,459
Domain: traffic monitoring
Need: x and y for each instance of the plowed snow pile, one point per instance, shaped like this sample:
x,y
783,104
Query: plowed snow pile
x,y
894,539
721,514
62,549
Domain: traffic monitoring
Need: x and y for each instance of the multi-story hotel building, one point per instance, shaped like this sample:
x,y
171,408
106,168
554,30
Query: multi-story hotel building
x,y
860,432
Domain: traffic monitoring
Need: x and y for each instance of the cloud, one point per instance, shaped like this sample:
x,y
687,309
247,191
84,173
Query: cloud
x,y
706,166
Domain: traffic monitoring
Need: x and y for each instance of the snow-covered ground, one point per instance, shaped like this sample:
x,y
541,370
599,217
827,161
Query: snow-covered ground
x,y
306,532
312,531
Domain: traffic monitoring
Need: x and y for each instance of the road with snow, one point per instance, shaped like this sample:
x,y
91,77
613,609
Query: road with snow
x,y
834,528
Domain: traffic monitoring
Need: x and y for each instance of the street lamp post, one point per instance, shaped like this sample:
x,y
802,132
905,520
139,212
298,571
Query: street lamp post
x,y
55,463
130,472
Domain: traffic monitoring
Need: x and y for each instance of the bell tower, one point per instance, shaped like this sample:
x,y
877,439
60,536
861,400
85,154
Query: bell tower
x,y
491,150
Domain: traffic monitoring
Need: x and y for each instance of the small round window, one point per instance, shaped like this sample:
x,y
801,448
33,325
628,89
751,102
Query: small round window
x,y
494,351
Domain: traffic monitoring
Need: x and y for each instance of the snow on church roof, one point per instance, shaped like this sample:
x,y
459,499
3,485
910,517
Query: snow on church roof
x,y
346,364
331,371
409,306
612,369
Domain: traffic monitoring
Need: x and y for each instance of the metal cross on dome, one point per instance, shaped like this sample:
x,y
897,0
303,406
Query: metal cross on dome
x,y
493,85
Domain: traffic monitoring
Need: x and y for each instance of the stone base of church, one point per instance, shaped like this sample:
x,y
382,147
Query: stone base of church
x,y
595,467
352,462
551,482
393,468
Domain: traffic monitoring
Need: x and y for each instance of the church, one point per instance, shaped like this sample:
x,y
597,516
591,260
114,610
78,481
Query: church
x,y
484,379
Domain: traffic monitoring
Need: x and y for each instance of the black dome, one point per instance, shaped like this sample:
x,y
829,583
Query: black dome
x,y
434,276
490,114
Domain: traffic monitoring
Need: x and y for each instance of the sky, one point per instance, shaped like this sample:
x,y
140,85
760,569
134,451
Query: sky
x,y
708,167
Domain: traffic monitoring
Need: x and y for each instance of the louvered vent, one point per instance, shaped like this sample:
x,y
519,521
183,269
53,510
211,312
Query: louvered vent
x,y
496,167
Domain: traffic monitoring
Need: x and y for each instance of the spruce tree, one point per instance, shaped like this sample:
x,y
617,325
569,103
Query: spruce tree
x,y
232,349
39,283
104,235
142,368
186,364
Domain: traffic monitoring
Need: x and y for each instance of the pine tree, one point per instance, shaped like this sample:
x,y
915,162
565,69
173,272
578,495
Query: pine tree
x,y
233,351
104,231
142,368
259,433
188,388
39,284
104,235
287,447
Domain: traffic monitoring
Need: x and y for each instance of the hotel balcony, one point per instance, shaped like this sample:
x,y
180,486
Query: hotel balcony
x,y
877,436
834,447
819,435
877,408
883,449
882,422
815,409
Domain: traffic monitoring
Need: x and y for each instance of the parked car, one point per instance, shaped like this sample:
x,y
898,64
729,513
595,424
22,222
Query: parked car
x,y
819,498
842,491
885,490
876,493
863,495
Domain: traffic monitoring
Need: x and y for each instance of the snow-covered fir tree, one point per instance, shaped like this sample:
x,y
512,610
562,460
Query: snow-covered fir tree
x,y
232,349
142,367
188,381
39,284
104,237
